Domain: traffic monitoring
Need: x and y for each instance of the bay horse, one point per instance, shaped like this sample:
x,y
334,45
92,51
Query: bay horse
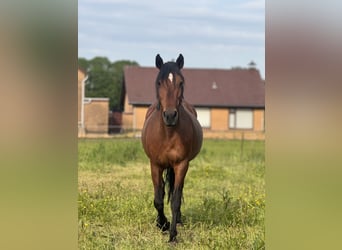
x,y
171,138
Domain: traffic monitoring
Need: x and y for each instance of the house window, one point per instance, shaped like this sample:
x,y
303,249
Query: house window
x,y
240,118
203,116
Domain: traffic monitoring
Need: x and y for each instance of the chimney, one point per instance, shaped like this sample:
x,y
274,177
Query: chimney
x,y
214,85
252,65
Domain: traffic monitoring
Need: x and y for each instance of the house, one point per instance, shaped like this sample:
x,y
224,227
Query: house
x,y
81,75
230,103
92,112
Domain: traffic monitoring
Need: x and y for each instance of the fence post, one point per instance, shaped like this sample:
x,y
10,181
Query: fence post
x,y
241,145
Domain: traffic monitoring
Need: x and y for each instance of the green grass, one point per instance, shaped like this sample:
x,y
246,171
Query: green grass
x,y
224,197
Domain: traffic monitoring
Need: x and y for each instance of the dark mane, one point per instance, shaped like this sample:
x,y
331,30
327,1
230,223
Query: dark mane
x,y
165,70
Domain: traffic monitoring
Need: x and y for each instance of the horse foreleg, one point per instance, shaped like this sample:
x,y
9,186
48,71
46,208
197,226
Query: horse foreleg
x,y
176,200
159,192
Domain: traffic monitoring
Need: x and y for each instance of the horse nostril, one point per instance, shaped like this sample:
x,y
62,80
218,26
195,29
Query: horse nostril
x,y
175,113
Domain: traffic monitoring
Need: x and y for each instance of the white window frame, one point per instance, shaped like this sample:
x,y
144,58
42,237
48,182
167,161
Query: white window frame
x,y
241,119
204,117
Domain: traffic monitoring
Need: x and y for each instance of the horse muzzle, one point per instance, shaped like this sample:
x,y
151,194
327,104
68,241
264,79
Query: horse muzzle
x,y
170,117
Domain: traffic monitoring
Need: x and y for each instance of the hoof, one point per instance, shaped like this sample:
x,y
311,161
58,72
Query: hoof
x,y
164,227
173,237
173,240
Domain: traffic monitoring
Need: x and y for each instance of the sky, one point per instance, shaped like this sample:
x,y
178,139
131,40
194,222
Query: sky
x,y
209,33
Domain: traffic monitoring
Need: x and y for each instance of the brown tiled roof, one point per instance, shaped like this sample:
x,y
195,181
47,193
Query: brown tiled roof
x,y
203,87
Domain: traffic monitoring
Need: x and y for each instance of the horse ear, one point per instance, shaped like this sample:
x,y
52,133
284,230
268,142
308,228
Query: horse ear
x,y
180,61
159,61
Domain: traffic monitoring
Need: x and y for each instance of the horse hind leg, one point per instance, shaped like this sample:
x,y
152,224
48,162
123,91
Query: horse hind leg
x,y
170,177
175,207
176,199
159,194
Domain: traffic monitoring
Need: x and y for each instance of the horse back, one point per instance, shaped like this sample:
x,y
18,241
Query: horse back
x,y
189,108
196,128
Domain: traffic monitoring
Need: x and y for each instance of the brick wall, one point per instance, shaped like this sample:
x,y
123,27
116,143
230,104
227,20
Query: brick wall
x,y
219,124
140,113
234,135
96,115
127,115
259,120
219,119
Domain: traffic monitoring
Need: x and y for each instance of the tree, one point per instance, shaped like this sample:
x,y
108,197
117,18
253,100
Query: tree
x,y
105,79
83,63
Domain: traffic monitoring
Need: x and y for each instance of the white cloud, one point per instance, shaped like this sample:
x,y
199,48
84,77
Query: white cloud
x,y
135,30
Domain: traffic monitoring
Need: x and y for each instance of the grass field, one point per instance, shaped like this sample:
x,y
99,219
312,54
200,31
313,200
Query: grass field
x,y
224,197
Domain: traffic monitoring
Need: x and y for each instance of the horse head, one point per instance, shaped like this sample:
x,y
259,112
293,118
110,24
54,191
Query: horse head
x,y
170,88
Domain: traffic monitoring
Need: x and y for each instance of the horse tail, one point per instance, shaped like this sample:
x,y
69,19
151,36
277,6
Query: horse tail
x,y
170,180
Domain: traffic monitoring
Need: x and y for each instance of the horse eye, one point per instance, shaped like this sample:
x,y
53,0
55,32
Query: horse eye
x,y
181,84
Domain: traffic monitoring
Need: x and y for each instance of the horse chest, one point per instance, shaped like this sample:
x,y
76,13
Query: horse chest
x,y
169,146
166,152
170,155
